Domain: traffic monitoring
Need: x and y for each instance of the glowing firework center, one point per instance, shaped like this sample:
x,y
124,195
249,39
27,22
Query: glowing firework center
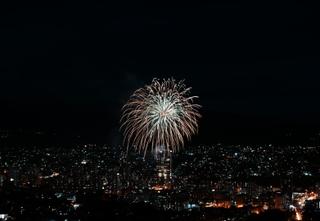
x,y
160,115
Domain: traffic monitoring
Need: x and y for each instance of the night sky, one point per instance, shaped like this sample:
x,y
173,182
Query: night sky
x,y
71,67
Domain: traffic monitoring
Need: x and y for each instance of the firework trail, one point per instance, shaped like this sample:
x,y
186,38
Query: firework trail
x,y
161,114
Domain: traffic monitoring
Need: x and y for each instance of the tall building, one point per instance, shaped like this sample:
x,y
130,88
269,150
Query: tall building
x,y
163,159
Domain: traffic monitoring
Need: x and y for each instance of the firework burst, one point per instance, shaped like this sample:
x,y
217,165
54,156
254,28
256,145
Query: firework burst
x,y
161,114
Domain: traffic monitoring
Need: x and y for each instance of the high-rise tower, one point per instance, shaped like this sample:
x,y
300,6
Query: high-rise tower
x,y
163,167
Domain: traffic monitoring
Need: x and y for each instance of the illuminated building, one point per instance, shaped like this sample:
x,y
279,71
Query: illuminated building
x,y
163,167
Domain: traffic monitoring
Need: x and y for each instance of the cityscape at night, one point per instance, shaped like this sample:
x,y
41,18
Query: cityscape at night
x,y
216,182
123,110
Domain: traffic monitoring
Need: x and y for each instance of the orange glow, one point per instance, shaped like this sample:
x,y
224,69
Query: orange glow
x,y
257,210
312,196
300,198
223,204
157,188
161,187
298,215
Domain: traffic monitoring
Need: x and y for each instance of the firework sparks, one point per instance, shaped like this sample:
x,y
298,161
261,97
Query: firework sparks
x,y
161,114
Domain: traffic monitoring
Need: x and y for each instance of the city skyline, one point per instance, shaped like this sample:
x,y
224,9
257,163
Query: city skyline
x,y
204,111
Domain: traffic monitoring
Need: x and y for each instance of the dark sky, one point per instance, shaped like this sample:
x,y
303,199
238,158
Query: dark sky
x,y
72,66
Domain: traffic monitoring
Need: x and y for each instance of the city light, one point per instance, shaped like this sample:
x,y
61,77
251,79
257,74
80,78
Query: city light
x,y
202,178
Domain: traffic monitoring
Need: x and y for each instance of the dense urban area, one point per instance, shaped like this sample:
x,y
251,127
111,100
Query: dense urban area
x,y
217,182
